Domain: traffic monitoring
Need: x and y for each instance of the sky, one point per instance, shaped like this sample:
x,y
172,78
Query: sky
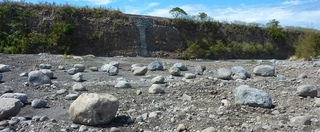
x,y
297,13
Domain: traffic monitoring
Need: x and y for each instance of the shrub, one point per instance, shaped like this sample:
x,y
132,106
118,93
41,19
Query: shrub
x,y
308,44
195,51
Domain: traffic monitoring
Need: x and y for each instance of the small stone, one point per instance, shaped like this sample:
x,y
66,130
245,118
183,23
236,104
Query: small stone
x,y
138,92
114,129
225,103
281,77
74,126
317,101
181,127
61,91
199,70
23,74
155,65
93,69
38,103
264,70
157,80
224,73
189,76
174,71
154,114
81,67
61,68
140,71
241,76
78,77
303,76
307,90
123,84
209,129
79,87
155,89
186,97
44,118
73,71
114,63
4,123
83,128
181,66
47,72
72,96
300,120
240,69
246,95
45,66
21,96
36,118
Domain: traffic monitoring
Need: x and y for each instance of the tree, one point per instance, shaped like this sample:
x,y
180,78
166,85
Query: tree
x,y
203,16
177,12
273,24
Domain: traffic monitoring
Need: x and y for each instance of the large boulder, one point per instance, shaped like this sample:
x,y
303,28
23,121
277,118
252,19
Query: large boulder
x,y
9,107
181,66
307,90
38,78
247,95
264,70
21,96
174,71
240,69
73,71
94,109
115,63
224,73
47,72
158,80
78,77
81,67
140,71
155,65
110,69
4,68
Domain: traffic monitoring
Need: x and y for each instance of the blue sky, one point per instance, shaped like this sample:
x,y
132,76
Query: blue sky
x,y
303,13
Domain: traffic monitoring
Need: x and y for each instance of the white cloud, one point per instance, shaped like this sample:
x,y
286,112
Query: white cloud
x,y
289,13
100,2
140,10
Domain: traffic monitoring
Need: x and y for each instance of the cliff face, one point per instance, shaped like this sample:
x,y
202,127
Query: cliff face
x,y
81,31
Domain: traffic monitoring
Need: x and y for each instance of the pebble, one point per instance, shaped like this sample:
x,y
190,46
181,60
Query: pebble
x,y
181,127
317,102
83,128
61,91
93,69
300,120
209,129
38,103
114,129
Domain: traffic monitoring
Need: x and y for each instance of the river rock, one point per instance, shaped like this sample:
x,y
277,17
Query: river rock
x,y
38,78
140,71
79,87
156,89
47,72
93,69
38,103
157,80
21,96
4,68
307,90
224,73
78,77
123,84
189,76
199,70
240,69
174,71
1,77
181,66
94,109
247,95
155,65
300,120
264,70
281,77
81,67
316,64
115,63
45,66
241,76
73,71
9,107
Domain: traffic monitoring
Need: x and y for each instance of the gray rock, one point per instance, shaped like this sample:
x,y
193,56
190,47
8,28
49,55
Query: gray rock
x,y
317,101
38,78
239,76
114,129
246,95
156,88
1,77
122,79
78,77
209,129
224,73
174,71
300,120
123,84
181,66
155,65
4,68
38,103
23,74
9,107
240,69
303,76
316,64
72,96
79,87
45,66
199,70
115,63
105,67
186,97
140,71
189,76
181,128
81,67
281,77
83,128
134,67
110,69
264,70
73,71
93,68
47,72
157,80
61,68
307,90
21,96
61,91
94,109
5,89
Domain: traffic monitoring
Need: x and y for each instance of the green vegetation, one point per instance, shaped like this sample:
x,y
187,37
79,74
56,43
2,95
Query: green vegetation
x,y
177,12
308,44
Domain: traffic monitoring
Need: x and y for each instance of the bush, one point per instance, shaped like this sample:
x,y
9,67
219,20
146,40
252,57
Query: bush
x,y
308,44
195,51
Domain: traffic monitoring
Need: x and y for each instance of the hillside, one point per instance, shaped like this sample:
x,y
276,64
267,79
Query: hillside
x,y
34,28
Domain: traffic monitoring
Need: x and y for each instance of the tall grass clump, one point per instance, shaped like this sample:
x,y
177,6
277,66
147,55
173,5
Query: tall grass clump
x,y
308,44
